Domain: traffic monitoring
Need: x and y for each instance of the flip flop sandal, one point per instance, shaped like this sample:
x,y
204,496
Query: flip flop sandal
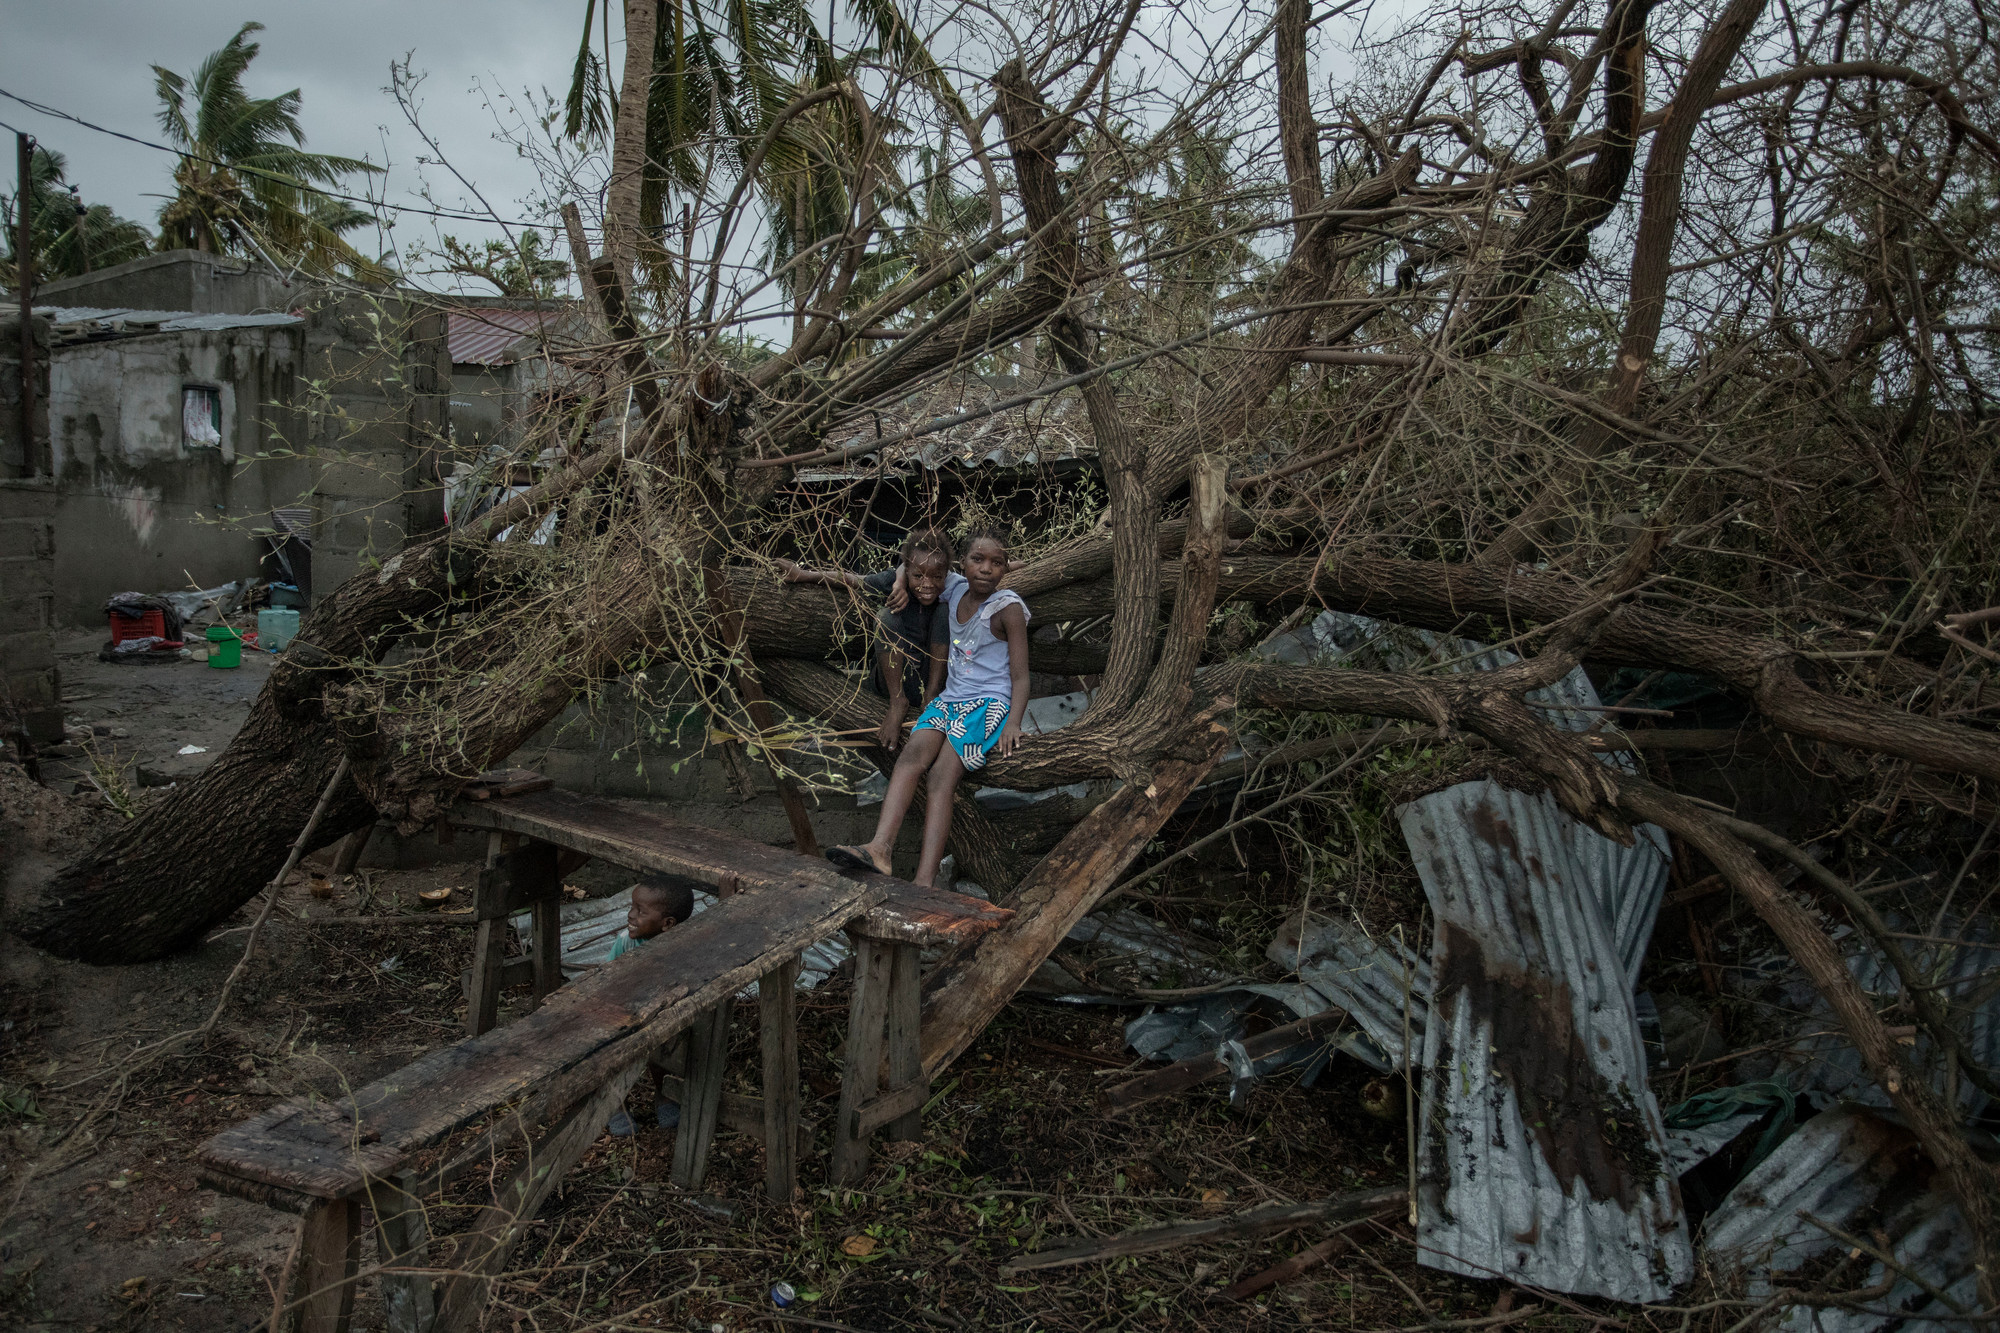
x,y
849,859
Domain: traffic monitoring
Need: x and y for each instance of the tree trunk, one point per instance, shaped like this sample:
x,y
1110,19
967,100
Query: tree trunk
x,y
161,881
628,145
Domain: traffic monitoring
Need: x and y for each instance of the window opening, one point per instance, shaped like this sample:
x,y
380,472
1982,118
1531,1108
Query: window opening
x,y
201,417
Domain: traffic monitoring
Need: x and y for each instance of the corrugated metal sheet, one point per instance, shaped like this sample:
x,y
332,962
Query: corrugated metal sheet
x,y
90,323
1823,1058
1541,1158
1043,432
1374,978
482,337
1853,1171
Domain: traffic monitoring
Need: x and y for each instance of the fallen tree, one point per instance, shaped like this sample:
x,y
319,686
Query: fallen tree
x,y
1362,357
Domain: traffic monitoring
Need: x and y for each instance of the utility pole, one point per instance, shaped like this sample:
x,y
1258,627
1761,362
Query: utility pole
x,y
24,282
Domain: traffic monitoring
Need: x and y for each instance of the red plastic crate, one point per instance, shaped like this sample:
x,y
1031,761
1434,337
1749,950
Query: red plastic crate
x,y
149,624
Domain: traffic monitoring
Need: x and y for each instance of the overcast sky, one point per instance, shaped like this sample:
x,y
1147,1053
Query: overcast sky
x,y
94,58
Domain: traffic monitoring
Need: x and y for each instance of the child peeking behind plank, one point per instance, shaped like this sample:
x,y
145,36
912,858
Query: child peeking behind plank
x,y
910,622
983,666
657,905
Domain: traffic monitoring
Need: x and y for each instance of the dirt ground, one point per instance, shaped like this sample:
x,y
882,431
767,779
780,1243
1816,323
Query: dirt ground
x,y
103,1224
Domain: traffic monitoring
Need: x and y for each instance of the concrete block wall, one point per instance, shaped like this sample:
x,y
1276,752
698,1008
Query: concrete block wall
x,y
27,599
140,510
17,459
377,409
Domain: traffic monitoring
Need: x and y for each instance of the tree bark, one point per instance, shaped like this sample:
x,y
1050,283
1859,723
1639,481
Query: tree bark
x,y
1134,518
158,883
628,146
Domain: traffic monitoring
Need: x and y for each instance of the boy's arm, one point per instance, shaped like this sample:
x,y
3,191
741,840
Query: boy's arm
x,y
934,684
890,734
793,572
1013,622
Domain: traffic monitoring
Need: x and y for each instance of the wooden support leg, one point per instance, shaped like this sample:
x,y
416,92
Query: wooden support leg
x,y
906,1056
329,1257
548,945
777,1025
483,1249
482,997
858,1081
348,854
402,1237
708,1050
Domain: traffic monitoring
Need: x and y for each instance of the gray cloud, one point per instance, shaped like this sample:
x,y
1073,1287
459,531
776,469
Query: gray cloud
x,y
93,58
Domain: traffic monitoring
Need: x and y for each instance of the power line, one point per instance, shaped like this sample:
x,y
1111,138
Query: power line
x,y
60,114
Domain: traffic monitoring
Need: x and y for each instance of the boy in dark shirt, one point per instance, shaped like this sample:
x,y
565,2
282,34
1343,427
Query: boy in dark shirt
x,y
910,621
657,905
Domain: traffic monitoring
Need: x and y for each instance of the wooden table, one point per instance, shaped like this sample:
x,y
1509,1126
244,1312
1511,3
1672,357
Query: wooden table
x,y
550,1079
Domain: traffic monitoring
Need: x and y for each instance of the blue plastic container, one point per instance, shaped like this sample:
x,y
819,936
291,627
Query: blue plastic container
x,y
277,627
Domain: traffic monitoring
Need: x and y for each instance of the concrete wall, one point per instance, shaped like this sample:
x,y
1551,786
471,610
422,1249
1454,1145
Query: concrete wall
x,y
179,280
479,406
378,409
27,597
343,414
16,460
140,509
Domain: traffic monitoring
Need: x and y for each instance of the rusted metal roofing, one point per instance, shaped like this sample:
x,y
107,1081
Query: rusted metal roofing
x,y
1962,976
1542,1158
486,337
74,324
1384,985
1046,431
1856,1173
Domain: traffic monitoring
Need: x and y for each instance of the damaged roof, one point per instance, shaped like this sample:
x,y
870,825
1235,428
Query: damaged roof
x,y
79,324
1044,431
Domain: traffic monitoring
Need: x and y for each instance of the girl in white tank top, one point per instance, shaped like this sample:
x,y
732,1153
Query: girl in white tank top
x,y
983,668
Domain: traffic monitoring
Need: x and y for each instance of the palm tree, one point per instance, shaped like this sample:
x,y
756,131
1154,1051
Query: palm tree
x,y
730,66
245,181
68,236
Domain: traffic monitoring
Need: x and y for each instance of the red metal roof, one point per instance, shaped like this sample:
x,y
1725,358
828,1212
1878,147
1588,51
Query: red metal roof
x,y
482,337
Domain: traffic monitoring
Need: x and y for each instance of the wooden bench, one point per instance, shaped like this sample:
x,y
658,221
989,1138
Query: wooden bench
x,y
547,1082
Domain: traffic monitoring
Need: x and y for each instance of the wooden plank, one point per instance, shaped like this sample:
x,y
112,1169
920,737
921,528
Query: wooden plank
x,y
516,971
402,1239
1264,1221
778,1036
640,836
1198,1069
545,953
501,783
483,1249
482,998
895,1104
708,1053
866,1017
918,915
546,1060
329,1257
522,878
906,1055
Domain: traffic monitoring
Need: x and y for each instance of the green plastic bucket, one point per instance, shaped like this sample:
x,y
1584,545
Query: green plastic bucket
x,y
225,648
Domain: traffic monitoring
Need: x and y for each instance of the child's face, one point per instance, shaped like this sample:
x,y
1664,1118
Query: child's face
x,y
924,572
646,917
985,565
